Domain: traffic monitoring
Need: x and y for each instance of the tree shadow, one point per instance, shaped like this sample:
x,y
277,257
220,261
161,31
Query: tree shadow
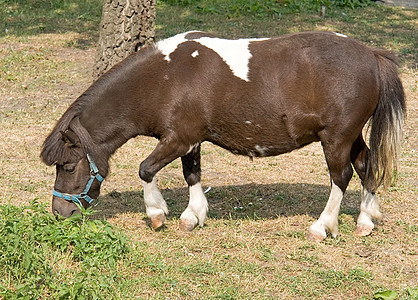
x,y
32,17
249,201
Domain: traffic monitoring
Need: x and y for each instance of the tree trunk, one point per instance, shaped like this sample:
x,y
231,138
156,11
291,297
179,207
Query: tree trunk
x,y
126,26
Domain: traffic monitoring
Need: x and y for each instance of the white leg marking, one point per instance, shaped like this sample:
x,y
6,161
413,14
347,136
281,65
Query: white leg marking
x,y
155,204
369,209
328,220
192,147
197,208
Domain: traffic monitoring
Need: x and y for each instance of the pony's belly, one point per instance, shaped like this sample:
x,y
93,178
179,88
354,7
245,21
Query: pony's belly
x,y
256,147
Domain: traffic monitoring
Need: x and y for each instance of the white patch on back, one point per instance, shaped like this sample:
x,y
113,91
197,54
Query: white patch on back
x,y
168,46
235,53
340,34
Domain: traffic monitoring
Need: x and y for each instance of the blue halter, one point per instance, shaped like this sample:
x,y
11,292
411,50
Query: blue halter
x,y
94,174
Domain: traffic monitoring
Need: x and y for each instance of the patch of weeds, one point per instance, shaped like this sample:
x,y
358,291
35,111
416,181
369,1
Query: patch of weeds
x,y
385,295
30,238
408,293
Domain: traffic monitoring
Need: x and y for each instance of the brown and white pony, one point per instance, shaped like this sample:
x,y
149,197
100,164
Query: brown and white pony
x,y
254,97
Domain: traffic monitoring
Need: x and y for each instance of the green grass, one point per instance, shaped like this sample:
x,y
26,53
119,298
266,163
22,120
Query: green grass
x,y
42,256
26,17
81,258
254,244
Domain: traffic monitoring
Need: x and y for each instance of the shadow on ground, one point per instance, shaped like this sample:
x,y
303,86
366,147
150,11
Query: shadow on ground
x,y
249,201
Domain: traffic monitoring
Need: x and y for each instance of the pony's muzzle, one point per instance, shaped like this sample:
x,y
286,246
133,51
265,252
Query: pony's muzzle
x,y
63,208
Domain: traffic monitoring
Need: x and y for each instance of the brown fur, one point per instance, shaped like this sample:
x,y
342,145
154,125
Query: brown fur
x,y
302,88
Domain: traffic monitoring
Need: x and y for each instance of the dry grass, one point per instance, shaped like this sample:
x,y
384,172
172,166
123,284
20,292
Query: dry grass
x,y
253,244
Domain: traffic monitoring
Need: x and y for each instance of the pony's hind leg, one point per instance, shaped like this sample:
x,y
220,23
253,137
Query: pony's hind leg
x,y
338,160
196,211
369,208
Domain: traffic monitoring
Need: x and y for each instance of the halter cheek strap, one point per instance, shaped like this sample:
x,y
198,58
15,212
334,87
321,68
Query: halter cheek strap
x,y
94,174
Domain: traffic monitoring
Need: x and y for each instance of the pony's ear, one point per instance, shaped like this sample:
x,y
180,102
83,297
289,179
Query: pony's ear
x,y
70,138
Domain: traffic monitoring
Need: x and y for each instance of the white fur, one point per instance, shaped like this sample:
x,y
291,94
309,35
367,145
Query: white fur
x,y
155,204
192,147
169,45
261,150
340,34
328,220
235,53
197,208
369,209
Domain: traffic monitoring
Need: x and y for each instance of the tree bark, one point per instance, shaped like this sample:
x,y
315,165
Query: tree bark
x,y
126,26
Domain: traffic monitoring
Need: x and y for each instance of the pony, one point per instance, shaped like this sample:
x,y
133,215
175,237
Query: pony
x,y
254,97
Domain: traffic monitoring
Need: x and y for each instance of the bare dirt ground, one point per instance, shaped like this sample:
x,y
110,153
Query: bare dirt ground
x,y
280,193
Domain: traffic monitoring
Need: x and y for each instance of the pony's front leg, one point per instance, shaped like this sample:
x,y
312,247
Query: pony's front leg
x,y
155,205
196,211
166,151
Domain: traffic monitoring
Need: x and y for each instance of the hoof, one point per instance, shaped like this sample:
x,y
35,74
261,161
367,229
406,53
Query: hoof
x,y
186,225
157,222
314,236
363,230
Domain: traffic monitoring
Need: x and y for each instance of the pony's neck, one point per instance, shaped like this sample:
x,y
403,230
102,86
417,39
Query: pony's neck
x,y
118,107
106,135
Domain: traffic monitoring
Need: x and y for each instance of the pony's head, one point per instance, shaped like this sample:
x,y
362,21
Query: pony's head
x,y
78,178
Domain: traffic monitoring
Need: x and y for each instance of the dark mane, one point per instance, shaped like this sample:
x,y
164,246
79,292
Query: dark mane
x,y
53,149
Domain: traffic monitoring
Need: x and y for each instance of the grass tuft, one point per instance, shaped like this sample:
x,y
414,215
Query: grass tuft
x,y
33,242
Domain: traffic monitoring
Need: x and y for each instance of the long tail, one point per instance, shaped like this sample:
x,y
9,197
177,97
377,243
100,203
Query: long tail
x,y
386,124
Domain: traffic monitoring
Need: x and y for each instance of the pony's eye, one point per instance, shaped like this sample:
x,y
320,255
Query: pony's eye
x,y
69,167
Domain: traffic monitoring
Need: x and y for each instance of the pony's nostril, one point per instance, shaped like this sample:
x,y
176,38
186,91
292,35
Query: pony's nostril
x,y
74,211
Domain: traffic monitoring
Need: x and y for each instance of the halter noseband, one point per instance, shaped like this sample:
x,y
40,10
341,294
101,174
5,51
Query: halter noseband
x,y
94,174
